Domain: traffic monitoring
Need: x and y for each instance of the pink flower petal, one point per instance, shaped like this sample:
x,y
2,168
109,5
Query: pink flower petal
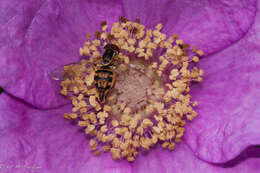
x,y
183,160
45,142
42,141
229,101
38,36
210,25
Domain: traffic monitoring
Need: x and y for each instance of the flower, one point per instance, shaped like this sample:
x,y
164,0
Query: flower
x,y
137,94
228,97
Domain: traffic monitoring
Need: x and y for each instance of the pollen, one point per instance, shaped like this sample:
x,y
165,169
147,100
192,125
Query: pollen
x,y
149,102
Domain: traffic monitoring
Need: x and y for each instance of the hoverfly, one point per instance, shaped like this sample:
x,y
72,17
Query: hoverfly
x,y
104,78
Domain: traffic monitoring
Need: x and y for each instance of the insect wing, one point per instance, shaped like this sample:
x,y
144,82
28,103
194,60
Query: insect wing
x,y
58,73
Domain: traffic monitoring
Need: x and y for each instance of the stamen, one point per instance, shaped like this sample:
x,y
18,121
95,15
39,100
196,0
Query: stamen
x,y
150,101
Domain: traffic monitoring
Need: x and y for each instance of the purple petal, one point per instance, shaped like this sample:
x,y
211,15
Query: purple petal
x,y
42,141
45,142
210,25
38,36
229,101
183,160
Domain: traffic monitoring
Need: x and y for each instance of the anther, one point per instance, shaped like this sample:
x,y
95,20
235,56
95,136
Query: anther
x,y
122,19
97,34
137,20
104,23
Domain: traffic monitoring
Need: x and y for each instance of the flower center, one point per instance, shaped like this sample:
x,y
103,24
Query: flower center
x,y
131,89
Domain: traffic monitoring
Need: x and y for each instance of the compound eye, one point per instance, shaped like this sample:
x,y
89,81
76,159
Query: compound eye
x,y
112,46
107,46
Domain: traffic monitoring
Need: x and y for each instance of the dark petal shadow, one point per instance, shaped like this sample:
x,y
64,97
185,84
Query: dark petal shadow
x,y
249,152
1,90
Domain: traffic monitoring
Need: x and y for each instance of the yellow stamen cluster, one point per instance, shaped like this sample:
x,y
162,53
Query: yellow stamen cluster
x,y
116,126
